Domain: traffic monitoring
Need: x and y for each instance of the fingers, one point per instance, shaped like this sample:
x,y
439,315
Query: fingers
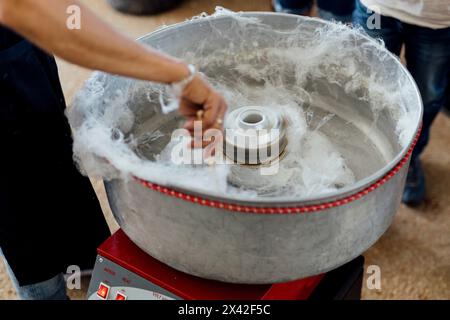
x,y
189,111
205,138
212,117
212,108
202,103
187,108
221,115
202,143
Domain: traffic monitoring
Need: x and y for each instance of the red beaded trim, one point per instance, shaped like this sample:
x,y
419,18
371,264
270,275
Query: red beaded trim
x,y
280,210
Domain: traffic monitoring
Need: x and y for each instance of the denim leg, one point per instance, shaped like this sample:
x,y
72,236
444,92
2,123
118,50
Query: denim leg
x,y
330,16
337,10
390,31
52,289
302,7
428,59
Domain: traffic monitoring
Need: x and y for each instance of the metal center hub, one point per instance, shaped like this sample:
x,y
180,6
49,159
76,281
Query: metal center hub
x,y
254,135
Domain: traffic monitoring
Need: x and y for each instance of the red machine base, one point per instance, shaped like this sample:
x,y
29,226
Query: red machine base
x,y
122,265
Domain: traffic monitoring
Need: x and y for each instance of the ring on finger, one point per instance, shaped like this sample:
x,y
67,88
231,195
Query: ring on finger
x,y
199,114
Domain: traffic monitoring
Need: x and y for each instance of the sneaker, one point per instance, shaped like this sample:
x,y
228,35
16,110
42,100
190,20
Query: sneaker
x,y
414,192
284,6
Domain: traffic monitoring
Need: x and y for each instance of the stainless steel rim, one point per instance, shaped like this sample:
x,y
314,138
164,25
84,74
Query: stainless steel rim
x,y
326,197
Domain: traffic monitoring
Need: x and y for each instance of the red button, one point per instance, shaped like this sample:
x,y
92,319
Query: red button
x,y
103,291
121,296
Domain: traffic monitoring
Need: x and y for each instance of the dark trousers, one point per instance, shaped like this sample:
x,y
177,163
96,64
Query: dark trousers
x,y
50,217
428,59
336,7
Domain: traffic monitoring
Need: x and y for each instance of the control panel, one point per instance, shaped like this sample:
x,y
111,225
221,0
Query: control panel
x,y
112,282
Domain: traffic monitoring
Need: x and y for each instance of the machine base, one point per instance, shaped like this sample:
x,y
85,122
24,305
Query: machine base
x,y
124,272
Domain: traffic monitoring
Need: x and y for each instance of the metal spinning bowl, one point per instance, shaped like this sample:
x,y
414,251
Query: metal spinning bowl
x,y
270,239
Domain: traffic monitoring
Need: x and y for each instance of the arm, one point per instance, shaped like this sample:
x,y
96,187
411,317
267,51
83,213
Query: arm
x,y
98,46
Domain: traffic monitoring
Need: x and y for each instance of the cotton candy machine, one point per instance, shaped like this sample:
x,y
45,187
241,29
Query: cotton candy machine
x,y
347,114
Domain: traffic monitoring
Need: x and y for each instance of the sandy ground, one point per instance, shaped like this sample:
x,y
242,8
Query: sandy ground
x,y
413,255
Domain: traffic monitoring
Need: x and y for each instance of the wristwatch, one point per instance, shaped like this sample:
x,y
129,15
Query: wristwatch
x,y
179,86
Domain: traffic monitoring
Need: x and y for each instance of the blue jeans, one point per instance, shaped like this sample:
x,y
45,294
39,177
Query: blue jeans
x,y
330,16
301,7
427,52
338,10
52,289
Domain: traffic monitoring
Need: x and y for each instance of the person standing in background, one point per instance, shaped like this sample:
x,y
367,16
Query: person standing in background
x,y
423,28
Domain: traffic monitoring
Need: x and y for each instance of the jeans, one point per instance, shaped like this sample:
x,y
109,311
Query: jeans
x,y
52,289
301,7
330,16
427,53
338,10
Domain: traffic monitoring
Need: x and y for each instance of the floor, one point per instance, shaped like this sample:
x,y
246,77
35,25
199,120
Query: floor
x,y
413,255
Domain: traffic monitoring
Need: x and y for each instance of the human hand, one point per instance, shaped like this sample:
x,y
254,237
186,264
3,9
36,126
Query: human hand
x,y
200,102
